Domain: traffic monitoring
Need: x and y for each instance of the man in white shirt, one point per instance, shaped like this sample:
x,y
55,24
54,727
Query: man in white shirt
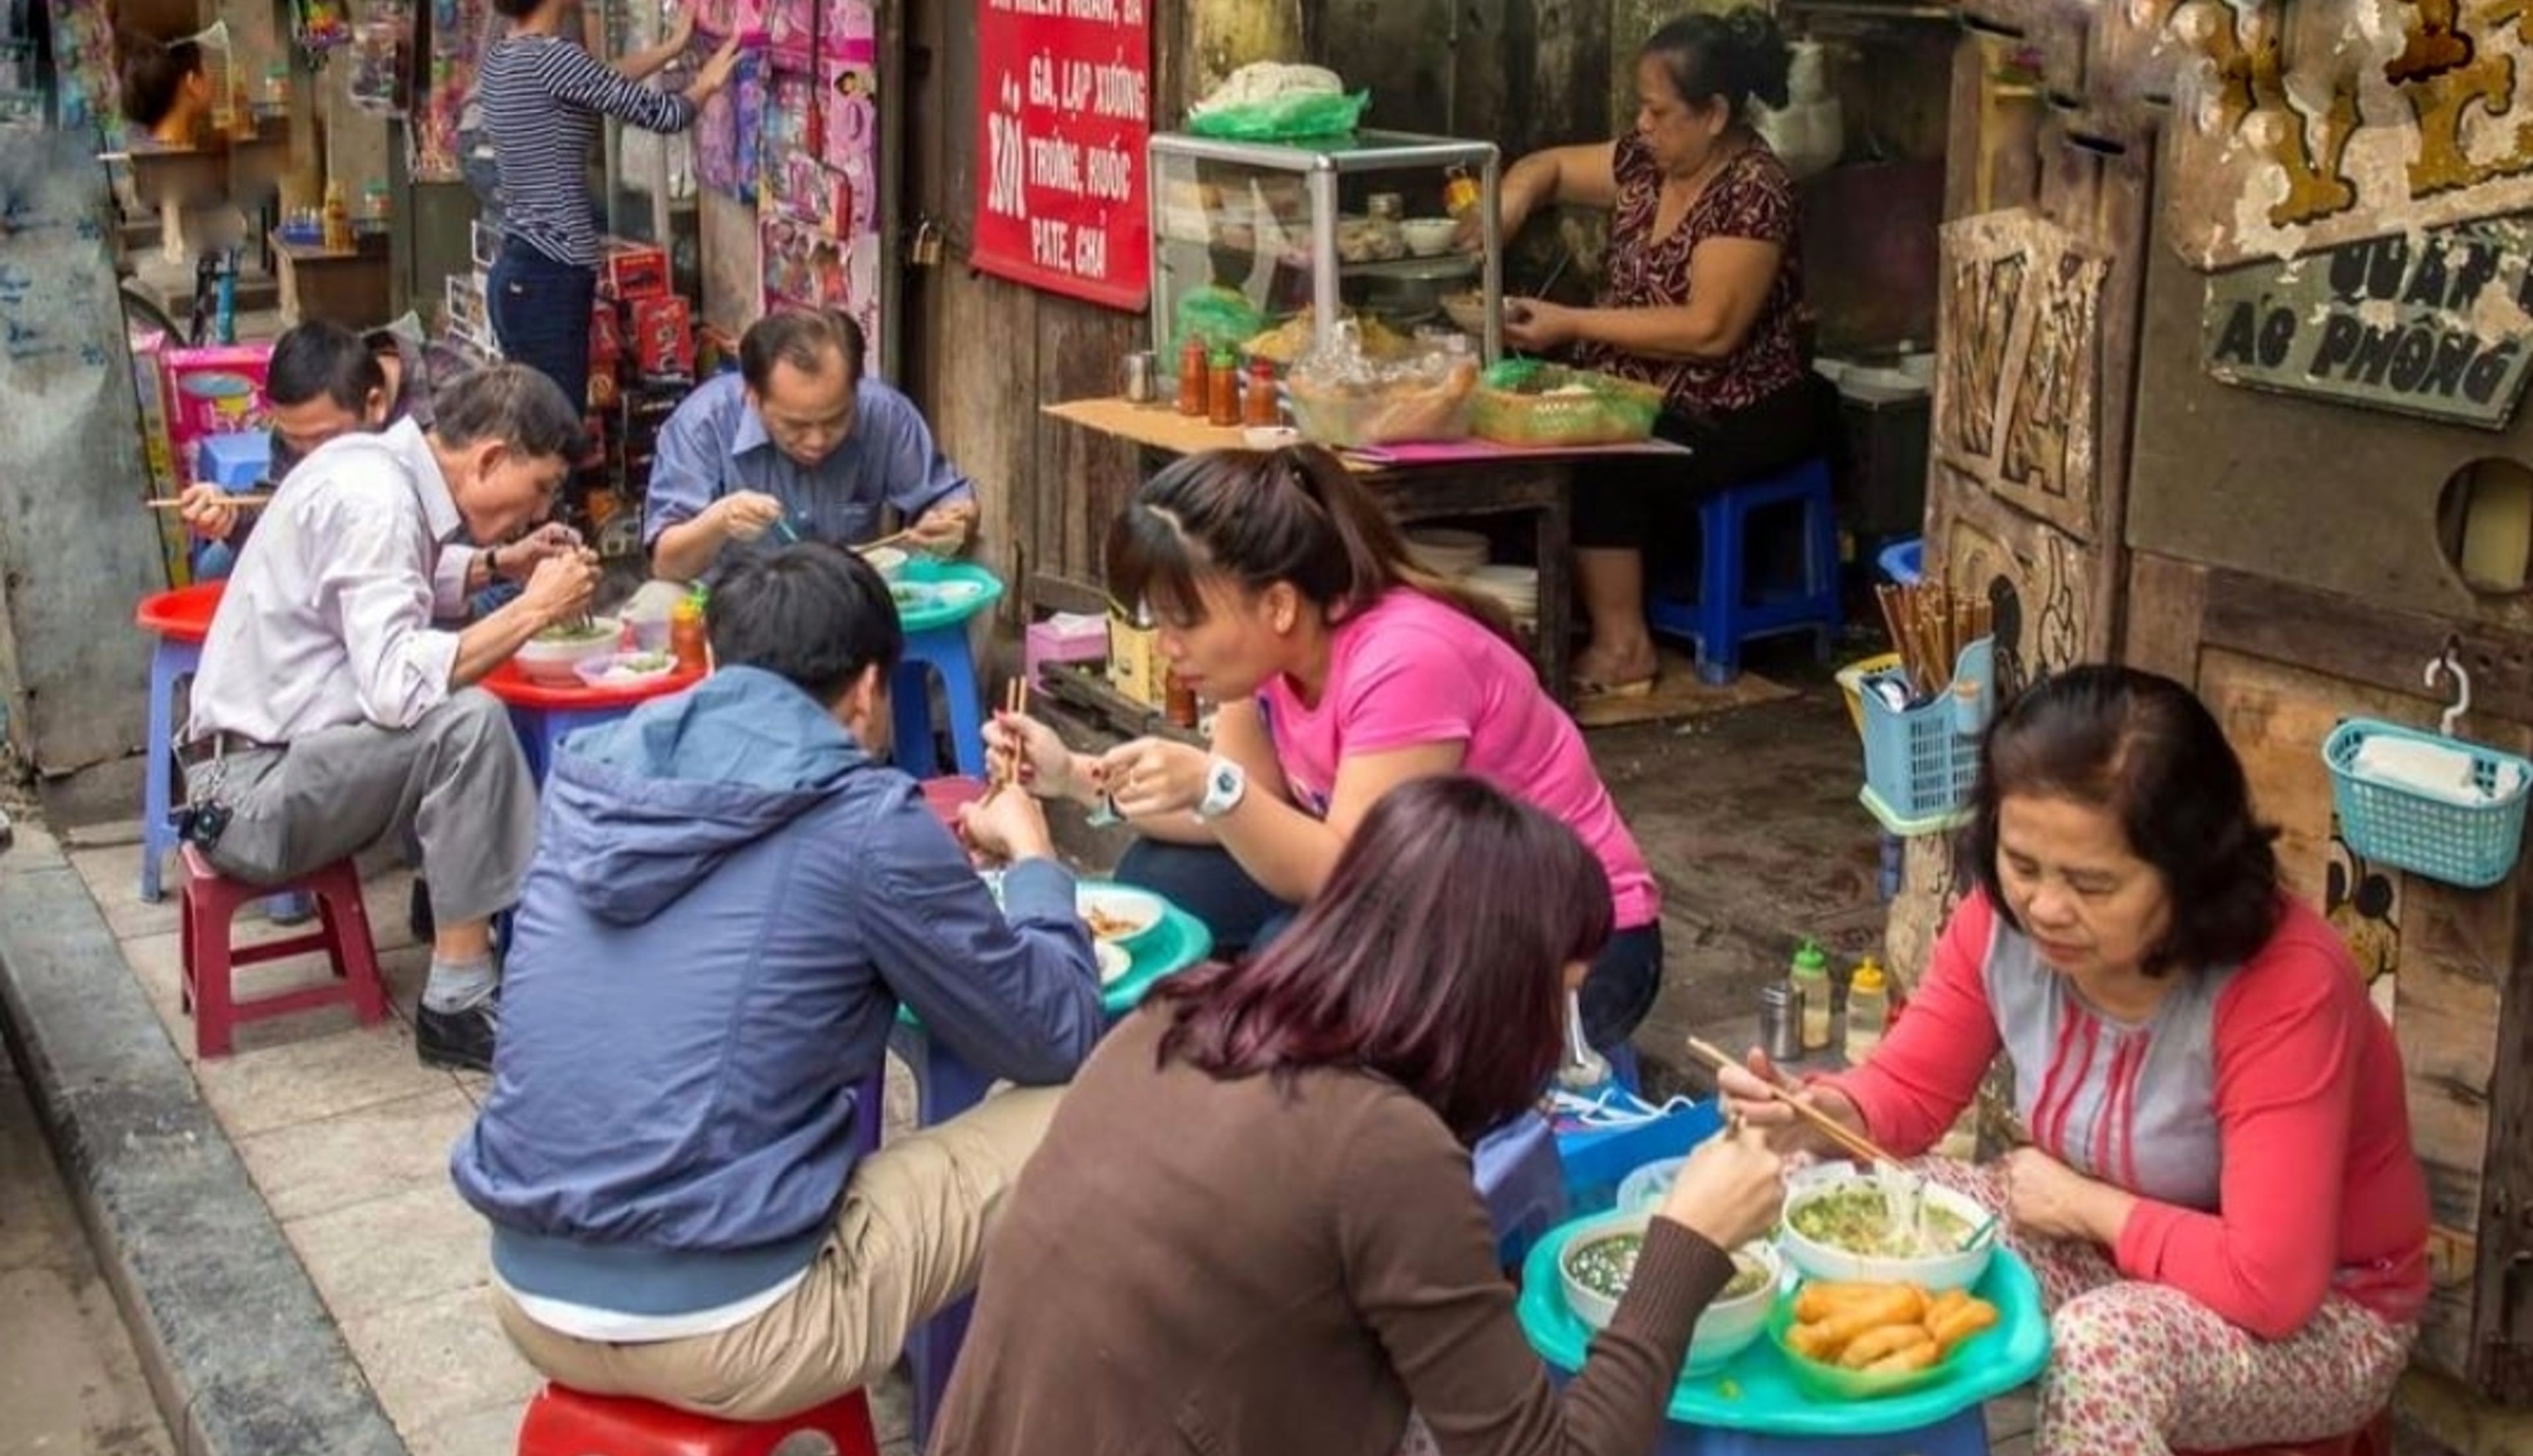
x,y
329,712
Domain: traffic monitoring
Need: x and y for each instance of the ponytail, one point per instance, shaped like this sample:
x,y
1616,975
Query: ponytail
x,y
1293,515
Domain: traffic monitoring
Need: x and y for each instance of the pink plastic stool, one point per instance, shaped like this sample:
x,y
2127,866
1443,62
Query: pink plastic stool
x,y
211,901
572,1422
1045,642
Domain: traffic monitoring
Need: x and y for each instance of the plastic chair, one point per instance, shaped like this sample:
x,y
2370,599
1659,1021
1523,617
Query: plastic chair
x,y
2374,1438
944,650
211,901
1724,614
561,1422
1523,1183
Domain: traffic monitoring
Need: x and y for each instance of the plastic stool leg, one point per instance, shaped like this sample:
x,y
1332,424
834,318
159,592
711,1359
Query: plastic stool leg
x,y
909,696
1718,587
967,716
169,664
207,926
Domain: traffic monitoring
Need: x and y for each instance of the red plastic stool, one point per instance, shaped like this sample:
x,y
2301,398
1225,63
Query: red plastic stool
x,y
2374,1438
211,901
572,1422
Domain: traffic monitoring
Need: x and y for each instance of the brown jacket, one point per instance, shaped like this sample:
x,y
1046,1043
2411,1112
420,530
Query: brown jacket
x,y
1199,1265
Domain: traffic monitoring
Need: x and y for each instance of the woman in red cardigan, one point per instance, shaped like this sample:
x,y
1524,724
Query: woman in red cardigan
x,y
2220,1197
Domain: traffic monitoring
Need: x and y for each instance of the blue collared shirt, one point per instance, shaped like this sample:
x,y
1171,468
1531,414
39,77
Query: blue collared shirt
x,y
716,443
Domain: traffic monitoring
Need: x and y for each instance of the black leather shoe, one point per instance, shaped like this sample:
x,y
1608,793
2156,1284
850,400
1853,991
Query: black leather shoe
x,y
457,1040
417,912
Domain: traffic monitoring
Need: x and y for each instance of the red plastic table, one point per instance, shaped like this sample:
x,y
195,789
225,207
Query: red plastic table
x,y
544,712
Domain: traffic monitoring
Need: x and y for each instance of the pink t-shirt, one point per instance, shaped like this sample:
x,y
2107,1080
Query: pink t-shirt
x,y
1413,670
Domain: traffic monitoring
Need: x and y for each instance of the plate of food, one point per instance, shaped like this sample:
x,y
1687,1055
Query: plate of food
x,y
1886,1226
1114,960
624,669
1598,1263
1861,1340
1119,914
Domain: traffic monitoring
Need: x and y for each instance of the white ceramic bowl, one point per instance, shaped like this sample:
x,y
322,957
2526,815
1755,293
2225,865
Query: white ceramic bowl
x,y
1725,1329
1644,1189
1936,1272
887,561
1270,436
1139,909
1429,237
557,664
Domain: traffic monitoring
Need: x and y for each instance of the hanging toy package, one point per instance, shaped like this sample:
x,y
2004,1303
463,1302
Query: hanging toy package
x,y
320,26
380,80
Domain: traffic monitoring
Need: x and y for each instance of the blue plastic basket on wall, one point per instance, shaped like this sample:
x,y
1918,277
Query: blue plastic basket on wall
x,y
1919,762
2470,845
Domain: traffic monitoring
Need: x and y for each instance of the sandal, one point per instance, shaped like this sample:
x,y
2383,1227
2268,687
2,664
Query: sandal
x,y
1586,688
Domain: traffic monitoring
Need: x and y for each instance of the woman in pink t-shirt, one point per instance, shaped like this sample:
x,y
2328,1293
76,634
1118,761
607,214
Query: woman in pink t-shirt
x,y
1283,594
2219,1193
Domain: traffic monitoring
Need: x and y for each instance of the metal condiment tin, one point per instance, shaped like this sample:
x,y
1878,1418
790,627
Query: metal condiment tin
x,y
1780,1021
1140,383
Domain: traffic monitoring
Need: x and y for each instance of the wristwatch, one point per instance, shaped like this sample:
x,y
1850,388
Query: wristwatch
x,y
1224,784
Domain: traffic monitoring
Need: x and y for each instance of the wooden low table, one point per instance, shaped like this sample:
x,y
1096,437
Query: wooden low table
x,y
350,287
1498,481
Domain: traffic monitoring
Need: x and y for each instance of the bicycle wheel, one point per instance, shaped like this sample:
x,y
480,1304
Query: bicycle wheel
x,y
143,312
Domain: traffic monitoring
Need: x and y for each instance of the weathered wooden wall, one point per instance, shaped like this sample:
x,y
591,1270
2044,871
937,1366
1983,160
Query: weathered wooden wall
x,y
2280,554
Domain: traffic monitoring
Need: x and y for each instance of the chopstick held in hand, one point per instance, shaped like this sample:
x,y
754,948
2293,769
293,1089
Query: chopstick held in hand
x,y
1856,1144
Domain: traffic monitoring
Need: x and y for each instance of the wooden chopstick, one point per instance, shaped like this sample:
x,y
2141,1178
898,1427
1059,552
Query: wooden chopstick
x,y
1004,770
242,503
891,538
1856,1143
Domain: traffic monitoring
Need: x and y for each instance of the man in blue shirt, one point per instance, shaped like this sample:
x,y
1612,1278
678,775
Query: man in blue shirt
x,y
797,437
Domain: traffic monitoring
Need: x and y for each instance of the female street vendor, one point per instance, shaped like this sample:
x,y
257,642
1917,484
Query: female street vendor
x,y
1284,593
1301,1256
1704,297
2220,1197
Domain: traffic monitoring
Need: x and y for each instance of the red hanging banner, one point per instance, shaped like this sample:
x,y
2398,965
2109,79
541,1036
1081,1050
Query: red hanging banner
x,y
1064,94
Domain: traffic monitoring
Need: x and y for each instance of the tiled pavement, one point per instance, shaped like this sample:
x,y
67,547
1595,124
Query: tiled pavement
x,y
346,1136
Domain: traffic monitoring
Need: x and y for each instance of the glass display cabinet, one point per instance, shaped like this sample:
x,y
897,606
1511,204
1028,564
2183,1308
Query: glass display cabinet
x,y
1272,244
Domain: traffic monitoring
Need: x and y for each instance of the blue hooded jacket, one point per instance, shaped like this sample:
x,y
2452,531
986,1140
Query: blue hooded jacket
x,y
727,903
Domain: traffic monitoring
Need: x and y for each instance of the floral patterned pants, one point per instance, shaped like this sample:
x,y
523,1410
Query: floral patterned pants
x,y
2140,1368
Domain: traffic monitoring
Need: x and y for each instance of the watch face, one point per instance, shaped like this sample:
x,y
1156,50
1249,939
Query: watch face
x,y
1225,782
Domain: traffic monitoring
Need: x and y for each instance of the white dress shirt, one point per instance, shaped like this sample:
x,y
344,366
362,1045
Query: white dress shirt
x,y
327,619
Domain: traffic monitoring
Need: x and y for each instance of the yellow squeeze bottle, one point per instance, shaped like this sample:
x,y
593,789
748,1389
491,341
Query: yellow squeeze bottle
x,y
1869,1009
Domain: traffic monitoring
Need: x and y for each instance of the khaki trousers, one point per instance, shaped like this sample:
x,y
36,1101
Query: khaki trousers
x,y
905,1245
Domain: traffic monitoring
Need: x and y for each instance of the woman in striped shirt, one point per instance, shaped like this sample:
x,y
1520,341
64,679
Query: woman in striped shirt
x,y
541,93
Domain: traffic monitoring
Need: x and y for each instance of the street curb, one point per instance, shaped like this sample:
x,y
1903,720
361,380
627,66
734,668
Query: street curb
x,y
240,1353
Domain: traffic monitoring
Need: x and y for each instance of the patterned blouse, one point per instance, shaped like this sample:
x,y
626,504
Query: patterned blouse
x,y
1751,197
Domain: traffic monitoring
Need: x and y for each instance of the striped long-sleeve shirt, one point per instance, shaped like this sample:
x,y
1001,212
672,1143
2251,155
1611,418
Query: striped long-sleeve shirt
x,y
542,96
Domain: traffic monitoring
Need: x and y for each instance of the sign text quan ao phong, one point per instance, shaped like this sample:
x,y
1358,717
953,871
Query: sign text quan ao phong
x,y
2435,323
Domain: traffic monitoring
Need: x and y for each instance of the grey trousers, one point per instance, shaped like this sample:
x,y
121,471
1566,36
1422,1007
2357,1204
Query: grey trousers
x,y
456,781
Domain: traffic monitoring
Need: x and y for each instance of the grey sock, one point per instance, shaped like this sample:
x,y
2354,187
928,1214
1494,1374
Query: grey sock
x,y
459,985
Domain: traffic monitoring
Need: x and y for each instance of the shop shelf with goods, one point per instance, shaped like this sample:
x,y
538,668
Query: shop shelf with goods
x,y
1265,246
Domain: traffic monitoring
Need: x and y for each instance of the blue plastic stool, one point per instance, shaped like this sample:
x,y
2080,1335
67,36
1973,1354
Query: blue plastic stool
x,y
1723,616
171,663
1961,1434
1523,1183
1596,1159
942,650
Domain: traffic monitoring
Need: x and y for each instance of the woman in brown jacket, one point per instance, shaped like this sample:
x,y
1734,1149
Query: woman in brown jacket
x,y
1253,1227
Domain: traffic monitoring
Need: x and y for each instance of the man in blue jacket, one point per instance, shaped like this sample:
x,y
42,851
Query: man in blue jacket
x,y
729,900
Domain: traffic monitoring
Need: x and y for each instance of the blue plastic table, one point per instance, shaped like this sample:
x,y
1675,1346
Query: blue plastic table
x,y
945,1086
947,593
1752,1407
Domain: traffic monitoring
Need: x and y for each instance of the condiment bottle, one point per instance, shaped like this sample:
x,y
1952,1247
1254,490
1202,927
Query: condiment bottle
x,y
1192,380
1222,392
686,635
1809,977
1258,406
1781,1031
1869,1009
338,218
